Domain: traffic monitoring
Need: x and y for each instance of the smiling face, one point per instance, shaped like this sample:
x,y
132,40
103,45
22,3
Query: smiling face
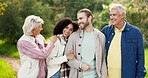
x,y
67,31
116,17
82,20
36,31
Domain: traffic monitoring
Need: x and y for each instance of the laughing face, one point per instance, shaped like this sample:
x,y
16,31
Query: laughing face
x,y
116,17
67,31
82,20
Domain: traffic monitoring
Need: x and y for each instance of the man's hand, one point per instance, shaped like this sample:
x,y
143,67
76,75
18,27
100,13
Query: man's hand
x,y
70,55
85,67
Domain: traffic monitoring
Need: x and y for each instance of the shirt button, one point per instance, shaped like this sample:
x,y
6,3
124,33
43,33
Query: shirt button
x,y
79,44
79,70
112,33
78,53
80,37
108,42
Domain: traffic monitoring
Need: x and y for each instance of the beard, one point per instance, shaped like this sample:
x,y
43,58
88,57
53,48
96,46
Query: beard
x,y
83,25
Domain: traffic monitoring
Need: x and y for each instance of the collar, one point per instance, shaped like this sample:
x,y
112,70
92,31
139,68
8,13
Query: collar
x,y
117,30
62,41
127,26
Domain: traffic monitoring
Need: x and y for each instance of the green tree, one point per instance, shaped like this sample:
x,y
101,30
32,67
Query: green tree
x,y
11,23
69,8
35,7
53,10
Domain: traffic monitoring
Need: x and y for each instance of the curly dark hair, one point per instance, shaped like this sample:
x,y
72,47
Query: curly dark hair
x,y
75,26
62,24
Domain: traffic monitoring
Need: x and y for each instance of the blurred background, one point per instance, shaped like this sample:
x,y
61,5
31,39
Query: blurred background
x,y
14,12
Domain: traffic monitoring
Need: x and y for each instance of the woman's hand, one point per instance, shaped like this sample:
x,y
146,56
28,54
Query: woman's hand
x,y
53,38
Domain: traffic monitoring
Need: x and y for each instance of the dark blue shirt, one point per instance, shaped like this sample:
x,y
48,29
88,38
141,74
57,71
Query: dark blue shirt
x,y
132,50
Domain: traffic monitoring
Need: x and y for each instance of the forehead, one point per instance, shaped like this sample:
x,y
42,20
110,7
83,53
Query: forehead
x,y
114,10
81,14
70,26
39,26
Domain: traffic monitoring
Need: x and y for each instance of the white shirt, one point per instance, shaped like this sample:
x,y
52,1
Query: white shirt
x,y
56,58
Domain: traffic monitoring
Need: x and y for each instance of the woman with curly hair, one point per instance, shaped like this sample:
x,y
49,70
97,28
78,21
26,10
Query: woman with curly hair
x,y
63,29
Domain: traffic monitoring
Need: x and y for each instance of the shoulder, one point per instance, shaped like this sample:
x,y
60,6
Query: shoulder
x,y
133,28
98,32
74,34
40,36
107,27
26,38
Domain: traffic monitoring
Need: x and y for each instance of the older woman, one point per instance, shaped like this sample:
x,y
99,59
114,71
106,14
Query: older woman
x,y
32,49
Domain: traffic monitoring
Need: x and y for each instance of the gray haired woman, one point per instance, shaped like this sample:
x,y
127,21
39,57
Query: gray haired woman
x,y
33,49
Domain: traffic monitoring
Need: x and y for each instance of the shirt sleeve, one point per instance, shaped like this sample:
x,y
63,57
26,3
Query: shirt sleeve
x,y
141,71
56,60
75,63
33,51
56,57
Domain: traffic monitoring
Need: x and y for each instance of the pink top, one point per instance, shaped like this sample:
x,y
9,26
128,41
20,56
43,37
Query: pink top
x,y
35,52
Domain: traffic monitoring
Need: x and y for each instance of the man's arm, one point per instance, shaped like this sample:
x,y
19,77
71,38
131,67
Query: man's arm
x,y
71,46
104,67
141,71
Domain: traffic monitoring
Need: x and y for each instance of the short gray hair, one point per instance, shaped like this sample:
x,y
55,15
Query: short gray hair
x,y
30,23
120,8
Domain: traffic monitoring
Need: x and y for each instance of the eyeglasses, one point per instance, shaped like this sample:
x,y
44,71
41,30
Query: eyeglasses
x,y
114,14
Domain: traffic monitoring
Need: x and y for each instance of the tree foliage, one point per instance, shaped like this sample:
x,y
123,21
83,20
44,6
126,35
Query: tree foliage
x,y
53,10
9,23
12,21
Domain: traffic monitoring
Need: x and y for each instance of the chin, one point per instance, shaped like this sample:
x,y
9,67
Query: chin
x,y
81,27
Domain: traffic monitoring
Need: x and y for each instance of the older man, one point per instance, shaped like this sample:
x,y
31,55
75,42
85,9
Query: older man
x,y
124,46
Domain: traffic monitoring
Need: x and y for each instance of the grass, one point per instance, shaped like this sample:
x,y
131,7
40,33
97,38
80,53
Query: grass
x,y
5,70
8,49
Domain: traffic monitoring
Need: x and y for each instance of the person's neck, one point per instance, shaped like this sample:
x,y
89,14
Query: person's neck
x,y
121,25
89,28
64,38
